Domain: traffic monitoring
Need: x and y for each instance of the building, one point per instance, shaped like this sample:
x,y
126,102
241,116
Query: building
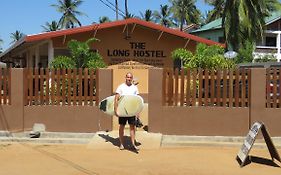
x,y
269,45
121,43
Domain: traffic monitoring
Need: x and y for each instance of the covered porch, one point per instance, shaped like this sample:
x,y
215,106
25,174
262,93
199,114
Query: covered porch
x,y
269,46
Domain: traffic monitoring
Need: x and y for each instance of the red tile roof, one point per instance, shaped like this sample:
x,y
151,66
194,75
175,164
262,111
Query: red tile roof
x,y
48,35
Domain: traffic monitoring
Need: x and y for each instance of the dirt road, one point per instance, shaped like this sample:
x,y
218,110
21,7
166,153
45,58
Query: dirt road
x,y
38,159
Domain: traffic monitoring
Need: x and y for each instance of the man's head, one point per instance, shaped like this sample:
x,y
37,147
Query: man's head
x,y
129,78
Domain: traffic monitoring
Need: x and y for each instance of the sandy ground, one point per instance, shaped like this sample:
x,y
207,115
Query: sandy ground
x,y
39,159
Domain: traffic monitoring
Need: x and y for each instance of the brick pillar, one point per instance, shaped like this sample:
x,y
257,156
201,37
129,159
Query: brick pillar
x,y
258,95
155,108
105,82
17,100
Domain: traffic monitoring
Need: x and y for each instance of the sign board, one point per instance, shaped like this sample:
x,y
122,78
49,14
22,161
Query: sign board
x,y
249,142
137,56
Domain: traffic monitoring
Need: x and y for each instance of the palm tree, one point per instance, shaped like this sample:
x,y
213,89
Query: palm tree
x,y
104,19
16,36
147,16
116,9
126,8
69,10
164,16
53,26
1,42
217,12
185,12
243,20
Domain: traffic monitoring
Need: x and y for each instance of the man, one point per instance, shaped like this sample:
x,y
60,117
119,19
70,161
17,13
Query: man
x,y
127,88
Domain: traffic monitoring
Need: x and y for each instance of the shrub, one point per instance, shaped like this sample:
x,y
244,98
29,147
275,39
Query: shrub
x,y
62,62
206,57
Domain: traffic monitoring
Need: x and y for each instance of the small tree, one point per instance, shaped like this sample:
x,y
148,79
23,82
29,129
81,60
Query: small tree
x,y
81,56
210,57
245,54
62,62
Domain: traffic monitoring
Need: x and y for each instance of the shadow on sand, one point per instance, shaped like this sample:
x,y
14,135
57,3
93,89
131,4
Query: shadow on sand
x,y
115,141
260,160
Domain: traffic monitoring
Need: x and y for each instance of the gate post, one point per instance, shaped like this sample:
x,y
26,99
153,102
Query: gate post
x,y
155,88
257,95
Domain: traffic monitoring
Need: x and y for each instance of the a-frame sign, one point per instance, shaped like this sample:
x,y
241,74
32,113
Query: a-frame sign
x,y
249,142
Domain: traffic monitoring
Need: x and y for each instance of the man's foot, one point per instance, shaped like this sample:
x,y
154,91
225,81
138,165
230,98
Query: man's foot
x,y
121,147
134,147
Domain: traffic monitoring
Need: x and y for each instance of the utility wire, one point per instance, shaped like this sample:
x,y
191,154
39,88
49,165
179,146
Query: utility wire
x,y
115,7
112,8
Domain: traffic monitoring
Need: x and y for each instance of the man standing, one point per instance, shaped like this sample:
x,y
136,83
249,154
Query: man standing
x,y
127,88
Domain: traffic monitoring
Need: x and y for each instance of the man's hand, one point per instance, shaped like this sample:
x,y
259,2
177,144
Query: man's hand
x,y
116,104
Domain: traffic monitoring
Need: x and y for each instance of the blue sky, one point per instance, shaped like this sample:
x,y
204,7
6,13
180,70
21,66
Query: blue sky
x,y
28,16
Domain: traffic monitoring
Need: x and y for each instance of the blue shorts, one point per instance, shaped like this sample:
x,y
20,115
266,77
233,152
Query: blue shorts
x,y
123,120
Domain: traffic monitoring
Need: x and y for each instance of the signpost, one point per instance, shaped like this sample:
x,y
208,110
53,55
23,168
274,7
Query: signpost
x,y
249,142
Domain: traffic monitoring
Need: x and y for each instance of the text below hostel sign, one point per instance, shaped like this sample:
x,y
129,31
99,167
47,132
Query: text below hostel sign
x,y
137,56
249,142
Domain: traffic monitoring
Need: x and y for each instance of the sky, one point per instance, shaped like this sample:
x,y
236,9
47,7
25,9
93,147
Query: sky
x,y
28,16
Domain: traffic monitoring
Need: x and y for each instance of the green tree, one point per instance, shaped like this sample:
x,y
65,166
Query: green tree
x,y
104,19
53,26
244,20
69,10
185,12
245,54
205,57
16,36
81,56
81,53
60,62
164,16
147,15
217,11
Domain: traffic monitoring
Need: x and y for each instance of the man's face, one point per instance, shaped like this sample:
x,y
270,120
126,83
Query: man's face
x,y
129,79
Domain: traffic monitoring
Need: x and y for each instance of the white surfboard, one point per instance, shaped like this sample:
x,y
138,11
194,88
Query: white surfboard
x,y
128,105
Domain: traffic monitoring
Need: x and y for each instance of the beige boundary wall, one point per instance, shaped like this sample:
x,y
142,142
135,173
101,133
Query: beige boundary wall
x,y
204,121
211,121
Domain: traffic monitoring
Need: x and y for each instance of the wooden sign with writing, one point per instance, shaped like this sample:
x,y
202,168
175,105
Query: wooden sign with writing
x,y
249,142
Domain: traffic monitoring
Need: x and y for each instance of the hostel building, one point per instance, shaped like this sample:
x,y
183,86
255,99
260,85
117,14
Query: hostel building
x,y
127,45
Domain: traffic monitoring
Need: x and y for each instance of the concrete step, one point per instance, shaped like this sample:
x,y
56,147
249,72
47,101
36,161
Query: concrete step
x,y
110,140
55,135
173,140
45,140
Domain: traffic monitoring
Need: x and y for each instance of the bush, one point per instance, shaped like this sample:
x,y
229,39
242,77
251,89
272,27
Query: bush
x,y
83,56
95,61
205,57
245,55
266,58
62,62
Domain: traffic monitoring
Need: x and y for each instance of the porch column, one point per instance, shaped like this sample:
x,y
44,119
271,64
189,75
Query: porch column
x,y
278,44
50,52
37,56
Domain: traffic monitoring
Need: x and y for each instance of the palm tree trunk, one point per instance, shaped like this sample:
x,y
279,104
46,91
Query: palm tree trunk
x,y
181,23
126,8
116,9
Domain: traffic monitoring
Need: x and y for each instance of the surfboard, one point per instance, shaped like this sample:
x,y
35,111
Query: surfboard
x,y
128,105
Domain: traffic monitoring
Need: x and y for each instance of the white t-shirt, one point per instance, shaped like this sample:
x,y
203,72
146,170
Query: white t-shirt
x,y
124,89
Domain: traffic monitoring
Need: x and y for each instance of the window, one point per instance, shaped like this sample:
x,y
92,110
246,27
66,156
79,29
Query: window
x,y
221,39
270,41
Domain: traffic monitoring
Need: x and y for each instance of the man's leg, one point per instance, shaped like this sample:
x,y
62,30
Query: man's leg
x,y
133,136
121,136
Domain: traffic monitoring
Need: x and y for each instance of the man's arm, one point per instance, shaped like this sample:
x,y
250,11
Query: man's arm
x,y
116,103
